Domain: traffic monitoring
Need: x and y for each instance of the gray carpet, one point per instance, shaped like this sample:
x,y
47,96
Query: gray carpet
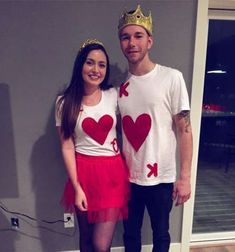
x,y
214,209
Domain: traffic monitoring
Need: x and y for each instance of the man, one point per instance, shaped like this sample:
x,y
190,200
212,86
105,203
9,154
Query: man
x,y
154,108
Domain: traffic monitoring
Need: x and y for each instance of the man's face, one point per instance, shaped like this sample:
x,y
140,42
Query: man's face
x,y
135,43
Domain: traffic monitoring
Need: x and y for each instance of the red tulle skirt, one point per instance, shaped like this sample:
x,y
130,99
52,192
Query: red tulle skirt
x,y
105,181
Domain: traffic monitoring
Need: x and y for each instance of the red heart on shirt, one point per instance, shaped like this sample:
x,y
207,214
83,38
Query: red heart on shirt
x,y
136,132
98,131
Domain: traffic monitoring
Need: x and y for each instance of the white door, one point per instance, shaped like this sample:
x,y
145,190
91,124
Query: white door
x,y
210,216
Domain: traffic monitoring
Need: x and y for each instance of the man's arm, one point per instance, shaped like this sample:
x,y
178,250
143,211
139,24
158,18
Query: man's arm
x,y
182,190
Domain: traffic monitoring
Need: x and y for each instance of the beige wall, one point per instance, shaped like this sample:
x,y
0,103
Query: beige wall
x,y
38,43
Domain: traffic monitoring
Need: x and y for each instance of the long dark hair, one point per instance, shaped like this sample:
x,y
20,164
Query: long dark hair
x,y
70,101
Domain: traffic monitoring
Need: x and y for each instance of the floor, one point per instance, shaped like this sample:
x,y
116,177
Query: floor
x,y
215,199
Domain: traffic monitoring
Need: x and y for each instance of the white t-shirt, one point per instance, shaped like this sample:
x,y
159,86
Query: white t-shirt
x,y
147,105
95,131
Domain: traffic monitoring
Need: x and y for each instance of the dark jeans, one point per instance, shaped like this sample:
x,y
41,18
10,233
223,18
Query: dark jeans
x,y
158,201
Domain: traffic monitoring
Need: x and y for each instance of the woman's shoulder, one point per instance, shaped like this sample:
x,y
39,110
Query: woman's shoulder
x,y
111,91
58,99
111,94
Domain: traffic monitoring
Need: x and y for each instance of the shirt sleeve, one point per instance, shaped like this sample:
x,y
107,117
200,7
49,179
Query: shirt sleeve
x,y
117,112
58,109
180,99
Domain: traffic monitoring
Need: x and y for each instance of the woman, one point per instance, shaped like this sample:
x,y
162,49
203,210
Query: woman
x,y
86,120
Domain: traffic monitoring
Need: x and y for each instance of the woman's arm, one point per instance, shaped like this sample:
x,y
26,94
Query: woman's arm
x,y
68,153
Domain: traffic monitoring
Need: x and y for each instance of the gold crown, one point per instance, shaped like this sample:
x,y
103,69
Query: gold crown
x,y
136,18
90,42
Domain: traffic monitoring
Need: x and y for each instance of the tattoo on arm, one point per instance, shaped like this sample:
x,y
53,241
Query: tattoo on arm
x,y
185,114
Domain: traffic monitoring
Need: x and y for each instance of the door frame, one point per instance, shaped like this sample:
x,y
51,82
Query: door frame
x,y
206,9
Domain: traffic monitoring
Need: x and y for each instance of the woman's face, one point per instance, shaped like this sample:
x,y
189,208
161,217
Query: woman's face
x,y
94,69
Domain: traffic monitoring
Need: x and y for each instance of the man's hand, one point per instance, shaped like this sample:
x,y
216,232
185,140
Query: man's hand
x,y
182,191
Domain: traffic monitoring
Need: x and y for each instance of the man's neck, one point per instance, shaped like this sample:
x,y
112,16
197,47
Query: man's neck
x,y
141,68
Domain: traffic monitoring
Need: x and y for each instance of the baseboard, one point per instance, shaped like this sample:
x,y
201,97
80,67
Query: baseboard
x,y
214,243
175,247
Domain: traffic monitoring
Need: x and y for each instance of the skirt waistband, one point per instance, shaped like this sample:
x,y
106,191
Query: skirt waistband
x,y
84,156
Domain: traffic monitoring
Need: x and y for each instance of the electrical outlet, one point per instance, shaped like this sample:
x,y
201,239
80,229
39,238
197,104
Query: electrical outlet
x,y
68,220
14,223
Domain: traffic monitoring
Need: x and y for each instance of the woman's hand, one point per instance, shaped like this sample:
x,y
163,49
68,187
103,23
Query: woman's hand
x,y
80,200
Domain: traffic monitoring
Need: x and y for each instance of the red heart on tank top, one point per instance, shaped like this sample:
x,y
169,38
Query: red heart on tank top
x,y
136,132
98,131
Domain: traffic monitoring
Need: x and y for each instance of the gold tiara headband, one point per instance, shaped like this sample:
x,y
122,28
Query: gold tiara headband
x,y
90,42
136,18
